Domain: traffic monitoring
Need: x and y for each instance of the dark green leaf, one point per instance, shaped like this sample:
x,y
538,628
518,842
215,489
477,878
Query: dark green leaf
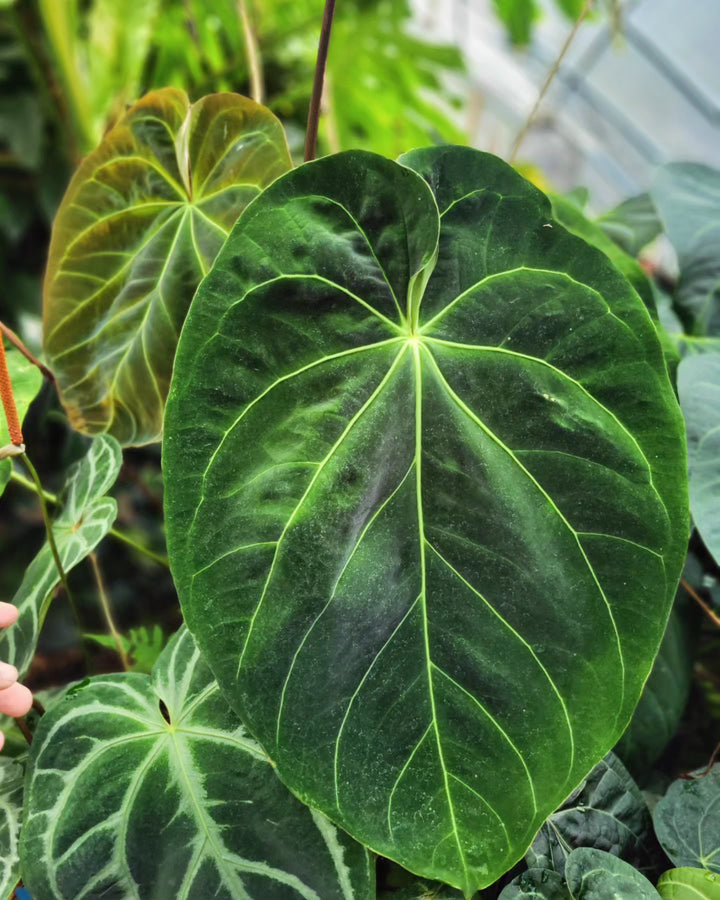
x,y
544,884
149,789
687,197
664,697
699,391
26,380
686,820
596,875
607,812
85,518
140,224
632,224
689,884
419,494
11,800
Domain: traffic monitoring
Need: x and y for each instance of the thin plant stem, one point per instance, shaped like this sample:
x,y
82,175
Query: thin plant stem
x,y
700,602
18,344
529,122
24,730
257,85
8,402
322,54
17,478
38,707
107,611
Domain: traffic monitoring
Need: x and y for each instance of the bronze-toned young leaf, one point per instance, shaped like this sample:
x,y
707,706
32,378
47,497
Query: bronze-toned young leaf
x,y
425,475
149,789
140,224
25,379
85,518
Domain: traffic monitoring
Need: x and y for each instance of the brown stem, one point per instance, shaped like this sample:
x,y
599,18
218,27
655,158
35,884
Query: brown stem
x,y
16,342
38,707
24,730
8,401
700,602
548,81
314,114
107,612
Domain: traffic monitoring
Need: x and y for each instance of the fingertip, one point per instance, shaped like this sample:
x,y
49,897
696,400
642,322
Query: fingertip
x,y
15,701
8,614
2,740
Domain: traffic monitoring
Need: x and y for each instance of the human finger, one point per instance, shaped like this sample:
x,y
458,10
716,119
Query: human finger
x,y
8,675
15,700
8,614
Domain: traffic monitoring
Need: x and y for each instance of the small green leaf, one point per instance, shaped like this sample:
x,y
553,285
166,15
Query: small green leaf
x,y
699,390
689,884
143,646
26,380
143,788
140,224
85,518
596,875
11,801
607,812
543,884
686,820
687,198
632,224
518,16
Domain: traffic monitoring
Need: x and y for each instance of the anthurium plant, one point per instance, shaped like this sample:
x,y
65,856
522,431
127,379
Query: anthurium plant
x,y
426,503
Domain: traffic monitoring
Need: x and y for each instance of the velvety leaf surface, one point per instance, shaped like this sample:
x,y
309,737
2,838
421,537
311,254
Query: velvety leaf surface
x,y
85,518
11,801
420,467
148,788
596,875
607,812
689,884
663,699
26,380
544,884
140,224
699,391
686,821
687,198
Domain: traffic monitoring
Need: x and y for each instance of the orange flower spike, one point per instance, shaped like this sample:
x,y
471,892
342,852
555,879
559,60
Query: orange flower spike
x,y
8,401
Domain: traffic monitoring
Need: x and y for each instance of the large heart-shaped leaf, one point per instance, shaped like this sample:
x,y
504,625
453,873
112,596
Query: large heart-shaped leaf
x,y
11,800
421,470
686,820
149,789
542,884
699,390
25,379
85,518
140,224
607,812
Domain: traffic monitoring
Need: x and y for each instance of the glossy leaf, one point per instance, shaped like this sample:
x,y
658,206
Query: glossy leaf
x,y
687,198
414,496
85,518
607,812
663,699
26,380
689,884
193,809
596,875
699,390
11,800
544,884
140,224
686,821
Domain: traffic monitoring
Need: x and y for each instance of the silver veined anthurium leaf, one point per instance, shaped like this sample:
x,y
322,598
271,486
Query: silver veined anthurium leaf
x,y
149,788
426,499
140,224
